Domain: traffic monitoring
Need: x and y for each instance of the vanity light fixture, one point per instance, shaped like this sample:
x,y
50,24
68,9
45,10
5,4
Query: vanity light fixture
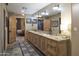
x,y
45,13
23,9
57,8
23,14
38,16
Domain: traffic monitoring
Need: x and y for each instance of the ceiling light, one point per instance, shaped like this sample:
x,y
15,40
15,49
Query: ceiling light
x,y
43,13
55,8
23,9
38,16
58,7
46,14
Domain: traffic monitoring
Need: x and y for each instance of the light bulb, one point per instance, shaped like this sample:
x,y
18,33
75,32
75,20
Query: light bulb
x,y
59,9
46,14
55,8
23,14
43,13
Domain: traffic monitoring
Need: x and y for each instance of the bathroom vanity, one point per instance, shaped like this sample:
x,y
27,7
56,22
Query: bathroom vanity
x,y
50,45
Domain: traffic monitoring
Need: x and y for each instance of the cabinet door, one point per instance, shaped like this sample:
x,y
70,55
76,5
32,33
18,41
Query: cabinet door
x,y
34,38
45,47
51,47
37,38
26,36
62,48
42,43
31,37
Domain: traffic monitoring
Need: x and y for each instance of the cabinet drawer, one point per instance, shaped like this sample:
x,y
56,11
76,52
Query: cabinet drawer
x,y
43,44
51,53
51,47
51,42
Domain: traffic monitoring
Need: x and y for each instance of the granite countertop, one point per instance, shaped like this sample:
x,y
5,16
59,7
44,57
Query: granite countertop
x,y
57,38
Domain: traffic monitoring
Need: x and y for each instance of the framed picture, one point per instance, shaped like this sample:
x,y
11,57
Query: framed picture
x,y
55,23
34,21
28,20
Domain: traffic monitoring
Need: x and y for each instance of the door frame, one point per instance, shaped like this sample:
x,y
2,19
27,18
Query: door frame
x,y
4,29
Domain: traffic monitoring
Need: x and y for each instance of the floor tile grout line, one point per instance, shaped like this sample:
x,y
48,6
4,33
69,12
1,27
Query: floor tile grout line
x,y
21,49
27,47
35,48
32,47
21,43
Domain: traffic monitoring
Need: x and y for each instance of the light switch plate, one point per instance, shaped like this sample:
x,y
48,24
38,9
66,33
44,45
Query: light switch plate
x,y
75,28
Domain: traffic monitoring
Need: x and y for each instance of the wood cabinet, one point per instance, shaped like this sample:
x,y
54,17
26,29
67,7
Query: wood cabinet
x,y
48,46
51,47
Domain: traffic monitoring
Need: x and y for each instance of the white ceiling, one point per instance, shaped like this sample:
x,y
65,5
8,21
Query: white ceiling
x,y
49,9
31,7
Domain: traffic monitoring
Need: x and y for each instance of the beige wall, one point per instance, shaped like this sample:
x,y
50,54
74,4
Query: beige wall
x,y
3,7
66,19
29,26
75,29
1,28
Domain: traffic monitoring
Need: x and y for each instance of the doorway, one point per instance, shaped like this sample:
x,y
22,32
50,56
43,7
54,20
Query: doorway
x,y
40,24
20,26
16,28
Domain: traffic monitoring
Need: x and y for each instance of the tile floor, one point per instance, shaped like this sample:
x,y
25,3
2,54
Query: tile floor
x,y
22,48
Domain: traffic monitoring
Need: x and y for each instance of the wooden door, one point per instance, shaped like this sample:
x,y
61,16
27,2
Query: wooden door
x,y
46,24
12,29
